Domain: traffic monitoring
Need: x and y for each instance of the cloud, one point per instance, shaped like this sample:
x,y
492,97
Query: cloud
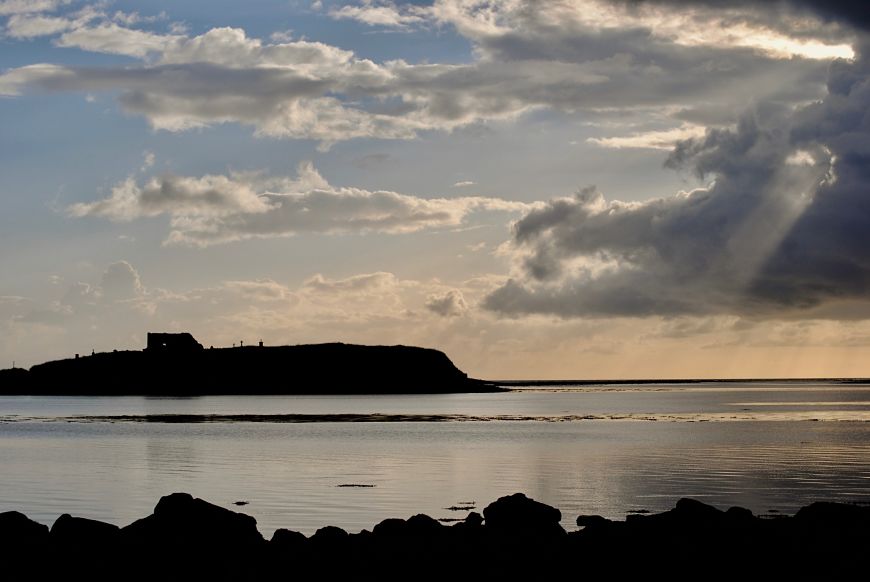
x,y
519,27
92,29
355,284
119,288
835,12
449,304
12,7
112,38
54,314
148,159
657,140
781,231
386,14
260,289
12,306
567,57
133,18
214,208
34,25
464,184
178,196
81,295
120,282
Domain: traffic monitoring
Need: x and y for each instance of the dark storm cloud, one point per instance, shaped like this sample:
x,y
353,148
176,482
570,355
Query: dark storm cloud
x,y
851,12
784,228
826,254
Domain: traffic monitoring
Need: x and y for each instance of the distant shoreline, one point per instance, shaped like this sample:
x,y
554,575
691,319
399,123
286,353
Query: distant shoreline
x,y
509,383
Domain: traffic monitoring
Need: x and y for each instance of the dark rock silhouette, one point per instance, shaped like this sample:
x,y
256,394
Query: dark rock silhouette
x,y
330,536
181,519
22,543
517,515
68,530
196,538
18,532
392,526
474,519
173,365
419,526
287,539
81,540
820,514
188,538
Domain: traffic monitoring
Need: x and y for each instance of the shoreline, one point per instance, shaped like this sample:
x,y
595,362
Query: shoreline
x,y
187,537
654,381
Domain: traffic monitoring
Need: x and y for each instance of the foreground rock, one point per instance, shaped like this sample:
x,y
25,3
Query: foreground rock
x,y
82,533
19,533
188,538
180,520
520,517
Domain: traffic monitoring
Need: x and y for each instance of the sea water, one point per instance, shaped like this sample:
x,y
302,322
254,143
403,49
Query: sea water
x,y
303,462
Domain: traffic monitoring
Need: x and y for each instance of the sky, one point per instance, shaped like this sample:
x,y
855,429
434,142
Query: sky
x,y
562,189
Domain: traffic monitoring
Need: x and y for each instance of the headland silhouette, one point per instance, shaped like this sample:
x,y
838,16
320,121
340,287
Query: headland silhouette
x,y
175,364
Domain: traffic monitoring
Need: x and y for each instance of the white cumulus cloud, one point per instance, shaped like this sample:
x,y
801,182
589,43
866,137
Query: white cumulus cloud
x,y
216,208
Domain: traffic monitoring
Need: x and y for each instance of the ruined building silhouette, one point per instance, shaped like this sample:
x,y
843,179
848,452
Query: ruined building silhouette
x,y
172,342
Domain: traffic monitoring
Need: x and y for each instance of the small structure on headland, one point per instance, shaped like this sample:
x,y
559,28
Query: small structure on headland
x,y
172,342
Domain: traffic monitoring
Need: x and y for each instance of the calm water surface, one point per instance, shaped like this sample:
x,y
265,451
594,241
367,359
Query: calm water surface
x,y
606,450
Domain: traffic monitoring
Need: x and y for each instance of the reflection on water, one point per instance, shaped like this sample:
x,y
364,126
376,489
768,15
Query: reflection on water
x,y
291,472
745,415
175,457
